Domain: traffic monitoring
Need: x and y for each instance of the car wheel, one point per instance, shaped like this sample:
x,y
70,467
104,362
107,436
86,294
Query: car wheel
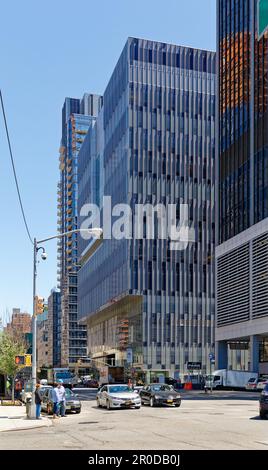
x,y
98,403
108,405
137,407
262,415
177,405
78,411
152,403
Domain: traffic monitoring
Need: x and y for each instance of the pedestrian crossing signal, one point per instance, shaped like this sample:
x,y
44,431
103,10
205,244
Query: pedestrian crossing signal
x,y
28,359
19,360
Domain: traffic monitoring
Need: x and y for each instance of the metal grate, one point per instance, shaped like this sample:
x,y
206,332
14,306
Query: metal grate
x,y
233,286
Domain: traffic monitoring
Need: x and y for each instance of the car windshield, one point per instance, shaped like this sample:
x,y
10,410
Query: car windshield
x,y
119,389
252,380
43,389
162,388
69,393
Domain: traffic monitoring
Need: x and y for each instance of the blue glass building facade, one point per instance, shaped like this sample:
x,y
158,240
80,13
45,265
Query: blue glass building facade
x,y
158,148
54,327
242,177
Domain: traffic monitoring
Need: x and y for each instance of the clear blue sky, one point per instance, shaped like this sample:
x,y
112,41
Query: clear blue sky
x,y
50,50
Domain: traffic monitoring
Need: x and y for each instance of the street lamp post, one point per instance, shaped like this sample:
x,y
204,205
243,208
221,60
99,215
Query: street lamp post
x,y
95,232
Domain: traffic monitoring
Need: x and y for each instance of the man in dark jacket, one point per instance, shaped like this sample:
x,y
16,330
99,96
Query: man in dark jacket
x,y
38,400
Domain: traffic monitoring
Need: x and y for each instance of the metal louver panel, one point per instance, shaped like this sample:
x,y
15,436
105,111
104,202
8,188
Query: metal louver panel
x,y
260,277
233,301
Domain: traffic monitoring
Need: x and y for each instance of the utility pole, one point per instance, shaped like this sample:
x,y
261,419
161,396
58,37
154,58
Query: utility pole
x,y
33,406
95,232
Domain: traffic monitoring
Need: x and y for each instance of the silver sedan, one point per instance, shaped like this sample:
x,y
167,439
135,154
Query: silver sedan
x,y
118,396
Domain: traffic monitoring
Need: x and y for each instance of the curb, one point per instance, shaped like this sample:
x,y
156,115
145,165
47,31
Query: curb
x,y
27,428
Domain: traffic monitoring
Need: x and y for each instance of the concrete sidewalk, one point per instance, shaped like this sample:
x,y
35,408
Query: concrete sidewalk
x,y
13,418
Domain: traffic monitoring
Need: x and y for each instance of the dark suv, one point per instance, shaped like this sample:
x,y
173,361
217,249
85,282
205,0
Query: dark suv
x,y
264,402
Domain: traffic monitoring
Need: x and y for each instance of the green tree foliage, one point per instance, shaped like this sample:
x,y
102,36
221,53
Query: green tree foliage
x,y
11,345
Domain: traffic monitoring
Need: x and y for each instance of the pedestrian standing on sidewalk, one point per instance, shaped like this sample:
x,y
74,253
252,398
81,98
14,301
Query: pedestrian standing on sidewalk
x,y
55,402
38,400
61,396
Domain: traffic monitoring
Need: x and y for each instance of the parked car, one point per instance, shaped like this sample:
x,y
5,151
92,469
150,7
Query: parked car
x,y
92,383
72,401
160,394
264,402
251,384
118,396
25,395
171,381
261,384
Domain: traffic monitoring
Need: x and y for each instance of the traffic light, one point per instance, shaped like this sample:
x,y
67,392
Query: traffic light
x,y
39,305
19,360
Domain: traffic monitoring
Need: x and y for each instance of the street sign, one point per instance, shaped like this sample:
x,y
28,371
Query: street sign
x,y
262,17
129,356
194,365
211,356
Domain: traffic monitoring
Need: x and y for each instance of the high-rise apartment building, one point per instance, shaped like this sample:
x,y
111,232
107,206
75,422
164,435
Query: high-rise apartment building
x,y
54,327
242,179
43,352
21,322
148,307
75,124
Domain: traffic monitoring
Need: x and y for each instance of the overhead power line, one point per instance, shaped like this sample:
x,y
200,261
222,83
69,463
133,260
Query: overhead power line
x,y
14,169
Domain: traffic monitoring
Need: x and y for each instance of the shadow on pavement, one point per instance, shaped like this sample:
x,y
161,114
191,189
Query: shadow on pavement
x,y
221,396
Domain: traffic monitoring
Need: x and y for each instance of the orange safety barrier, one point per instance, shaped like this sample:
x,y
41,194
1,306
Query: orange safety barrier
x,y
188,386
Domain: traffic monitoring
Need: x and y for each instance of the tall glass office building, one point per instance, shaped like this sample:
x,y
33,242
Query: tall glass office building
x,y
75,124
242,175
148,307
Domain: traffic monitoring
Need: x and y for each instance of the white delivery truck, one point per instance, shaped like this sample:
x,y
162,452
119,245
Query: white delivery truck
x,y
225,378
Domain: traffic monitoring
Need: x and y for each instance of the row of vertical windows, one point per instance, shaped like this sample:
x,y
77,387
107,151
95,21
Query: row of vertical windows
x,y
140,95
178,57
186,281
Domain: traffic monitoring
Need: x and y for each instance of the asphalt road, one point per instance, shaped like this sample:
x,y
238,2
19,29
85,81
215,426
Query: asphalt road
x,y
224,420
